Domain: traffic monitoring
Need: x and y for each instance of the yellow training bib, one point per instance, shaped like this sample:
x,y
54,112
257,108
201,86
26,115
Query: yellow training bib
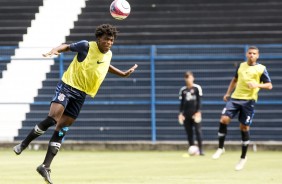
x,y
246,74
88,75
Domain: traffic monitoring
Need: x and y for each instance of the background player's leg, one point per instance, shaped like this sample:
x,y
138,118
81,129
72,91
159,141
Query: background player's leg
x,y
56,140
245,139
222,131
189,131
245,118
230,110
199,135
245,144
224,121
55,113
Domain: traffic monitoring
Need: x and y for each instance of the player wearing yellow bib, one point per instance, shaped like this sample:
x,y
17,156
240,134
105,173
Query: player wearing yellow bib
x,y
250,77
83,77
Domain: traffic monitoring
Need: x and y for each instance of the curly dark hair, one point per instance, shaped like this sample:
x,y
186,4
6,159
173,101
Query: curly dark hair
x,y
106,29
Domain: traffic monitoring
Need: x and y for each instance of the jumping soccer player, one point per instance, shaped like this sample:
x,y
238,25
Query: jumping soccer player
x,y
190,114
83,77
249,78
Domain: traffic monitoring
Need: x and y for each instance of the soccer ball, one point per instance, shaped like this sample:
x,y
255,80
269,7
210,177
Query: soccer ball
x,y
193,150
120,9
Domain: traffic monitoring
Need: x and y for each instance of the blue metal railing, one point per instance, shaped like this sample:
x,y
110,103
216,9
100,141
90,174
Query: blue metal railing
x,y
173,53
153,94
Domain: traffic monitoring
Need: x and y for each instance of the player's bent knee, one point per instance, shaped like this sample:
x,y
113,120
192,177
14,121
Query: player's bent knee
x,y
225,120
56,111
244,128
56,117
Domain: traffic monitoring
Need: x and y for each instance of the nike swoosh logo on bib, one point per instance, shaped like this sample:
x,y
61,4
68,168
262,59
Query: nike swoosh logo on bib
x,y
98,62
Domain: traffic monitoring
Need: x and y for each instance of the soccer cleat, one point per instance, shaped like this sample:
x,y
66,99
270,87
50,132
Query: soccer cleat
x,y
19,148
45,173
218,153
241,164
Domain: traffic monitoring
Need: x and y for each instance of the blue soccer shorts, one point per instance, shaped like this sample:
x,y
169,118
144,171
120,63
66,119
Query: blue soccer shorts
x,y
72,99
245,108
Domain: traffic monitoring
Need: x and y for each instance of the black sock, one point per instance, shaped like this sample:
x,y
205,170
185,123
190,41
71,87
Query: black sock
x,y
221,135
38,130
245,143
54,146
199,136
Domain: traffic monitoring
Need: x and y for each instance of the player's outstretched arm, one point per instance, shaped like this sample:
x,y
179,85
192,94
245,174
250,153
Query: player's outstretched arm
x,y
120,73
56,51
231,87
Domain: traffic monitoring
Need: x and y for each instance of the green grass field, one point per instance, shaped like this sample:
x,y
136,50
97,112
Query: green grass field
x,y
73,167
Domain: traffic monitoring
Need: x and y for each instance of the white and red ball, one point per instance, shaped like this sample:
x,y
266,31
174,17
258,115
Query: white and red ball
x,y
193,150
120,9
